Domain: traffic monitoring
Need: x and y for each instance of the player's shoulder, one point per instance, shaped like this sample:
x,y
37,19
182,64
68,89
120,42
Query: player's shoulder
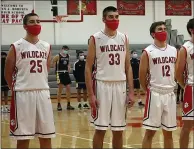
x,y
76,62
171,47
188,45
44,43
97,34
149,48
122,34
18,42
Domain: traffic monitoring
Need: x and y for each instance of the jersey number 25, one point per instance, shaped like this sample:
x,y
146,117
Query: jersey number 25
x,y
36,66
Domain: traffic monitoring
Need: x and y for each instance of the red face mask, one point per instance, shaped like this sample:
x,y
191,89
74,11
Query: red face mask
x,y
161,36
33,29
112,24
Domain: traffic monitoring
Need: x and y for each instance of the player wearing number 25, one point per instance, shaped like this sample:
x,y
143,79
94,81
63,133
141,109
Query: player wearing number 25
x,y
156,74
26,72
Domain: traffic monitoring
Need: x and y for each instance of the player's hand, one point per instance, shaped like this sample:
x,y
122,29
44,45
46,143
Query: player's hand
x,y
93,102
130,99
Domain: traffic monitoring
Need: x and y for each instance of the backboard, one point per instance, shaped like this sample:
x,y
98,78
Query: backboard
x,y
12,12
43,9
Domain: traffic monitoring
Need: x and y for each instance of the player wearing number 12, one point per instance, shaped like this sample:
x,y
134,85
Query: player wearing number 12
x,y
26,72
110,51
158,66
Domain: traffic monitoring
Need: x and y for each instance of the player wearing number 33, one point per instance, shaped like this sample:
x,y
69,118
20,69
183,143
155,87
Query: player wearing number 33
x,y
156,74
109,50
26,73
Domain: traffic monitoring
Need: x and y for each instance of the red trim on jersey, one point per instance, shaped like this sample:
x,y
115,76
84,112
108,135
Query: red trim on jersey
x,y
186,71
15,71
188,106
94,111
147,105
13,113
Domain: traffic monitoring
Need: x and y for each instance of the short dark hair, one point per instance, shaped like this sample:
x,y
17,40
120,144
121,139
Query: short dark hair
x,y
133,51
26,17
190,25
65,47
154,25
108,9
177,46
3,53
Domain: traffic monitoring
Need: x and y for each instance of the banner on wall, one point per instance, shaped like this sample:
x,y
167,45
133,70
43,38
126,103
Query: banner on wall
x,y
178,7
131,7
89,7
13,13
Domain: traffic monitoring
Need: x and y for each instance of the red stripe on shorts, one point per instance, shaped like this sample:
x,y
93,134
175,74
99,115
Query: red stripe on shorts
x,y
146,112
13,113
187,102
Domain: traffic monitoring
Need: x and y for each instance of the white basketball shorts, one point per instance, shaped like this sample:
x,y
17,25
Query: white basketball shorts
x,y
188,104
112,105
31,115
160,111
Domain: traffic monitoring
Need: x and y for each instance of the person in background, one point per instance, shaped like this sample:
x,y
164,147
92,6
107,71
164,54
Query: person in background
x,y
135,68
79,74
180,91
4,86
61,61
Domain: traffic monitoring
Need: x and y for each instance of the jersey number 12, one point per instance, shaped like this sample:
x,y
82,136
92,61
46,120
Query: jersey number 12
x,y
166,70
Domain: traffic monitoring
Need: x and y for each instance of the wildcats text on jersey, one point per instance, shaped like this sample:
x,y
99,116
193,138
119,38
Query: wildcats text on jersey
x,y
107,48
162,60
33,54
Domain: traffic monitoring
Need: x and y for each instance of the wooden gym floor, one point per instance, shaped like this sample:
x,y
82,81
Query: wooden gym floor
x,y
73,130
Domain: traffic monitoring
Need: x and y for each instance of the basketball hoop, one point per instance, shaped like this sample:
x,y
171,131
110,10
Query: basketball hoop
x,y
61,18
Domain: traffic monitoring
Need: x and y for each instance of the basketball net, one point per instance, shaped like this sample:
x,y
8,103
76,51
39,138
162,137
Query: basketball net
x,y
61,18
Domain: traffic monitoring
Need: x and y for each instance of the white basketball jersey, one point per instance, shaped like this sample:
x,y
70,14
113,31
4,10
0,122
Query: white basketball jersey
x,y
161,67
110,56
31,65
189,62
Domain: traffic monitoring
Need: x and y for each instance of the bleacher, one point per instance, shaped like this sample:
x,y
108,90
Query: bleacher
x,y
173,39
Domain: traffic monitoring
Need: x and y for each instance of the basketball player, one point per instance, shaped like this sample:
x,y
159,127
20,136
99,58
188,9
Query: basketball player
x,y
135,68
4,86
185,79
26,72
79,74
109,49
61,61
157,64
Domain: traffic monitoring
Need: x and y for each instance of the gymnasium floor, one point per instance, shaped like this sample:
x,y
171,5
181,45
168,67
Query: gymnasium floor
x,y
74,131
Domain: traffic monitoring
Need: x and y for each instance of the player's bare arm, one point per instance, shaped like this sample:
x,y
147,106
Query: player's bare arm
x,y
55,59
180,66
49,61
143,70
10,66
88,68
128,70
69,68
